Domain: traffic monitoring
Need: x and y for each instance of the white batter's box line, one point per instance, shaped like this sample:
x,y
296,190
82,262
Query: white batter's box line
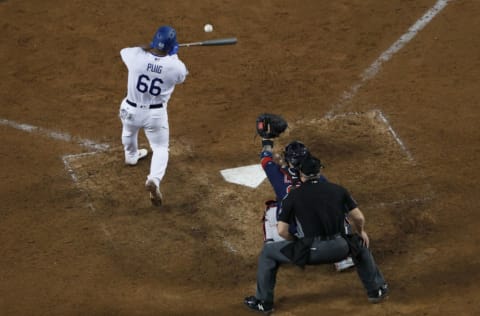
x,y
55,135
406,201
371,71
71,157
395,136
67,159
330,117
380,116
229,246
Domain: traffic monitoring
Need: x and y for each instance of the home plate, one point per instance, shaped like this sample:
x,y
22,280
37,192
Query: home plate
x,y
250,176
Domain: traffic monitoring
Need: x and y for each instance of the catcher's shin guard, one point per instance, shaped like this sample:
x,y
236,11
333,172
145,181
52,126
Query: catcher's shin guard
x,y
270,231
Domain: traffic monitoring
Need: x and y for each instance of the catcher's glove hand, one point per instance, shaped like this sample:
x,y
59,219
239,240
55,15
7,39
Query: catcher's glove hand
x,y
270,125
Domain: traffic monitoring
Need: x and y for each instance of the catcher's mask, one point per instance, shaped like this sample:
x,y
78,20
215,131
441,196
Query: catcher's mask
x,y
164,39
295,152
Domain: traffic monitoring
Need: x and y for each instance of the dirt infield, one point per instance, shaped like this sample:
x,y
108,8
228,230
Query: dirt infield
x,y
78,234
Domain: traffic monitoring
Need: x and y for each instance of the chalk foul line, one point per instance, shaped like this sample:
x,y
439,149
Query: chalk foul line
x,y
375,67
90,144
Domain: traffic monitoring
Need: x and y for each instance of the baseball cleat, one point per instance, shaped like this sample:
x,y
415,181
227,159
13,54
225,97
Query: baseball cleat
x,y
344,264
141,153
155,194
257,305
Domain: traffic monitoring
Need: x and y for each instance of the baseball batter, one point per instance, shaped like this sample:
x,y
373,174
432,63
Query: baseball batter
x,y
153,73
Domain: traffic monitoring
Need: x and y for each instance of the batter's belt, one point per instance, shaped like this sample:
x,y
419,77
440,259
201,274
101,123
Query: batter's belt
x,y
151,106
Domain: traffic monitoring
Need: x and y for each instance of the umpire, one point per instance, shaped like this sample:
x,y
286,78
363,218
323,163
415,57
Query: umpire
x,y
318,208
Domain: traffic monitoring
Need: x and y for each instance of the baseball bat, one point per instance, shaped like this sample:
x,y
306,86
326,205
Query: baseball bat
x,y
214,42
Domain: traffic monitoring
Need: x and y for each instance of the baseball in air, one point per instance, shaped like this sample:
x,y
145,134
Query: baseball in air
x,y
208,28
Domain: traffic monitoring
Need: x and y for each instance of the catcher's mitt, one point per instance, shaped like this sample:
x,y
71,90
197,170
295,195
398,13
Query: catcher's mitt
x,y
270,125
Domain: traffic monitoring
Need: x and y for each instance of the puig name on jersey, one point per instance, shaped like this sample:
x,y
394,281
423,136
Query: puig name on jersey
x,y
154,68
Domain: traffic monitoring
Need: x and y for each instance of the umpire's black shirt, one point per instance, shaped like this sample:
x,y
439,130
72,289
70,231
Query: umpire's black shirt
x,y
318,208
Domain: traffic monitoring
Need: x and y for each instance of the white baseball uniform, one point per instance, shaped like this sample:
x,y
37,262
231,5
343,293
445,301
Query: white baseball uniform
x,y
151,82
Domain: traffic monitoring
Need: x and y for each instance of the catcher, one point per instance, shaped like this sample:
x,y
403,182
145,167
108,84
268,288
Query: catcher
x,y
283,175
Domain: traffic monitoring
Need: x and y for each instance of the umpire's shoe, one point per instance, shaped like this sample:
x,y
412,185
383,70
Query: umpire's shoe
x,y
155,194
379,295
257,305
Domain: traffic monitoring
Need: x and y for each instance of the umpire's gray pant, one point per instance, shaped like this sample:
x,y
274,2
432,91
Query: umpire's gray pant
x,y
321,252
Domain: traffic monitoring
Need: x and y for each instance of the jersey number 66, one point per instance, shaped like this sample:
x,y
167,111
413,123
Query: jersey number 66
x,y
153,87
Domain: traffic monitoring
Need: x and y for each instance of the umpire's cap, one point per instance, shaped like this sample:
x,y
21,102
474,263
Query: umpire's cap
x,y
311,166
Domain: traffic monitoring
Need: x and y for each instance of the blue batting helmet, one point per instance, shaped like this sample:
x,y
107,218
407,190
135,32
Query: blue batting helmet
x,y
164,39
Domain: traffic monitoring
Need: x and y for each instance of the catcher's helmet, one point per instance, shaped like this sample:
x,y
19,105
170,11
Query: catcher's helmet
x,y
164,39
295,152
